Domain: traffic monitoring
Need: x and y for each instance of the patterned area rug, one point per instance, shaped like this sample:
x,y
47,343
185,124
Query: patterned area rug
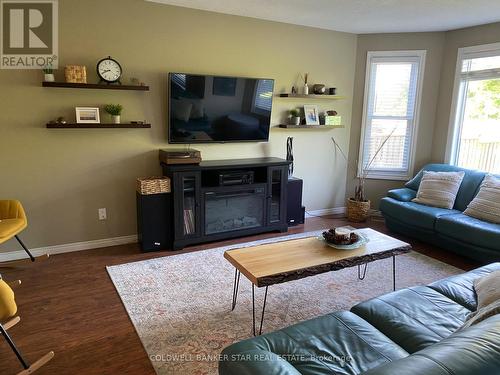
x,y
180,305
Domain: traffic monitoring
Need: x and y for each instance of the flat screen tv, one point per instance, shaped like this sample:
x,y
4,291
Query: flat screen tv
x,y
205,109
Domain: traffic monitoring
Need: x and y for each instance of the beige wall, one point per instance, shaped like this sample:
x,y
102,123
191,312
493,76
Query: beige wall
x,y
63,176
456,39
437,93
433,43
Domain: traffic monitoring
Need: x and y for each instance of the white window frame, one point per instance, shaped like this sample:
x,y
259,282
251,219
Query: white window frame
x,y
392,56
456,114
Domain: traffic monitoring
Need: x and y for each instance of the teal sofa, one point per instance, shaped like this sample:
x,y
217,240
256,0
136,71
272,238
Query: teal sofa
x,y
449,229
413,331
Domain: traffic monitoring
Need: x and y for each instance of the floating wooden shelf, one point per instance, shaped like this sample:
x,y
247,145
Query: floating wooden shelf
x,y
311,96
310,126
98,126
101,86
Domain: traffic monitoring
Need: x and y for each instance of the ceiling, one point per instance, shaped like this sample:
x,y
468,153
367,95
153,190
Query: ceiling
x,y
359,16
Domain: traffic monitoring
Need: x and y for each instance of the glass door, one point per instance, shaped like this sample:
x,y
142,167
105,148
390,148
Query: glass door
x,y
277,183
237,208
187,204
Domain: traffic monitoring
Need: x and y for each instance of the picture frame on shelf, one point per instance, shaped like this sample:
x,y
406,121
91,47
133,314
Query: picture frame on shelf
x,y
311,114
87,115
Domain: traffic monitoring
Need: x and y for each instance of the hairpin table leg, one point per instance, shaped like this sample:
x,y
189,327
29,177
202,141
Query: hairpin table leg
x,y
394,273
362,276
236,285
263,310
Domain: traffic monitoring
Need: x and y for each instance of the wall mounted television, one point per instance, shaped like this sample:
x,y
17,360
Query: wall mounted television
x,y
206,108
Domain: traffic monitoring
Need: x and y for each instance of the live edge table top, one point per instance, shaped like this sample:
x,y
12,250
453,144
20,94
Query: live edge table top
x,y
288,260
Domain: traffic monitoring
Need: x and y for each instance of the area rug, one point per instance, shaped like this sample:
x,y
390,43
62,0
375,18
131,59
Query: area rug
x,y
181,305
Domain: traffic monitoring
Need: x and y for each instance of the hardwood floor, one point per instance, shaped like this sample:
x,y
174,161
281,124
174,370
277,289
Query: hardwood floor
x,y
69,305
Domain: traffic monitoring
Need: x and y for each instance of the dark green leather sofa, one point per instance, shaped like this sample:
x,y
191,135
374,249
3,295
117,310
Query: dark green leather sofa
x,y
448,229
408,332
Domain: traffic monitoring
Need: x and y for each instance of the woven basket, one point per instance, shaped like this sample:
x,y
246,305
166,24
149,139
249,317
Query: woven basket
x,y
357,211
153,185
75,73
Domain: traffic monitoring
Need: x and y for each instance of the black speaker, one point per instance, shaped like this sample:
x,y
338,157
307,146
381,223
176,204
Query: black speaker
x,y
295,211
154,224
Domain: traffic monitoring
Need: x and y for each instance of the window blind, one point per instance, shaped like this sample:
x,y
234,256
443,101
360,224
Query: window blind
x,y
389,120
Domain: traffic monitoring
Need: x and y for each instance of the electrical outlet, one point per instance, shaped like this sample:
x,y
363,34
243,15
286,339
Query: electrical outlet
x,y
102,214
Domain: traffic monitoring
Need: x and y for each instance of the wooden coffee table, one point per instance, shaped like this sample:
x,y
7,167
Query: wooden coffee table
x,y
283,261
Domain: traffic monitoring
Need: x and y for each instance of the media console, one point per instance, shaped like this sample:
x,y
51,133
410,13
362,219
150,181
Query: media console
x,y
221,199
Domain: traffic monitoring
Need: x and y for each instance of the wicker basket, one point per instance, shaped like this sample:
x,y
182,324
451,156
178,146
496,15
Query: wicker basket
x,y
357,211
153,185
75,73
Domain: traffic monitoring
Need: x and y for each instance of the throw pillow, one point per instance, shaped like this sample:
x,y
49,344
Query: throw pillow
x,y
487,289
439,189
486,205
488,298
482,314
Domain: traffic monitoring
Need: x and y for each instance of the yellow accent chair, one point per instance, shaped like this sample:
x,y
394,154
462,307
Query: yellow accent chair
x,y
8,310
8,307
12,222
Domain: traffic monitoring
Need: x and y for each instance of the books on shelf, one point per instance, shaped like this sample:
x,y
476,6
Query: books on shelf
x,y
189,227
189,215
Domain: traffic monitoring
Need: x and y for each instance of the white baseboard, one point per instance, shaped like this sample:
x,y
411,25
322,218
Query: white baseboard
x,y
326,211
67,248
106,242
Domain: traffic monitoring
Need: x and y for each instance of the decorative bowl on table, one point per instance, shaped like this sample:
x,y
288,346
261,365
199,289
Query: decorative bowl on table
x,y
343,239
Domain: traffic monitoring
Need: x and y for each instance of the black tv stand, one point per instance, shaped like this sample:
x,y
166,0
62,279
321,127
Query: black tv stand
x,y
205,210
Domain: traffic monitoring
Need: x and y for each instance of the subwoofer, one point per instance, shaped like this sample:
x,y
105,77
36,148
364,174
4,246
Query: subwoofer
x,y
295,210
154,224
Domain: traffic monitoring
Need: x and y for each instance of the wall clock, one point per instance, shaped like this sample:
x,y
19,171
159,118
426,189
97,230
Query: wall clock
x,y
109,70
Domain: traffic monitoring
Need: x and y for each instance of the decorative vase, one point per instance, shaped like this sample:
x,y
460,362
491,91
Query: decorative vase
x,y
357,211
115,119
306,89
295,120
48,77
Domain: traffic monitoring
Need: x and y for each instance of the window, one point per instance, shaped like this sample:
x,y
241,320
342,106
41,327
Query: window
x,y
474,137
263,96
390,114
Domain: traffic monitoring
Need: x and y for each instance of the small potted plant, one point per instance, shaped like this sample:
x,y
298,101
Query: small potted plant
x,y
115,111
294,116
358,207
48,74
